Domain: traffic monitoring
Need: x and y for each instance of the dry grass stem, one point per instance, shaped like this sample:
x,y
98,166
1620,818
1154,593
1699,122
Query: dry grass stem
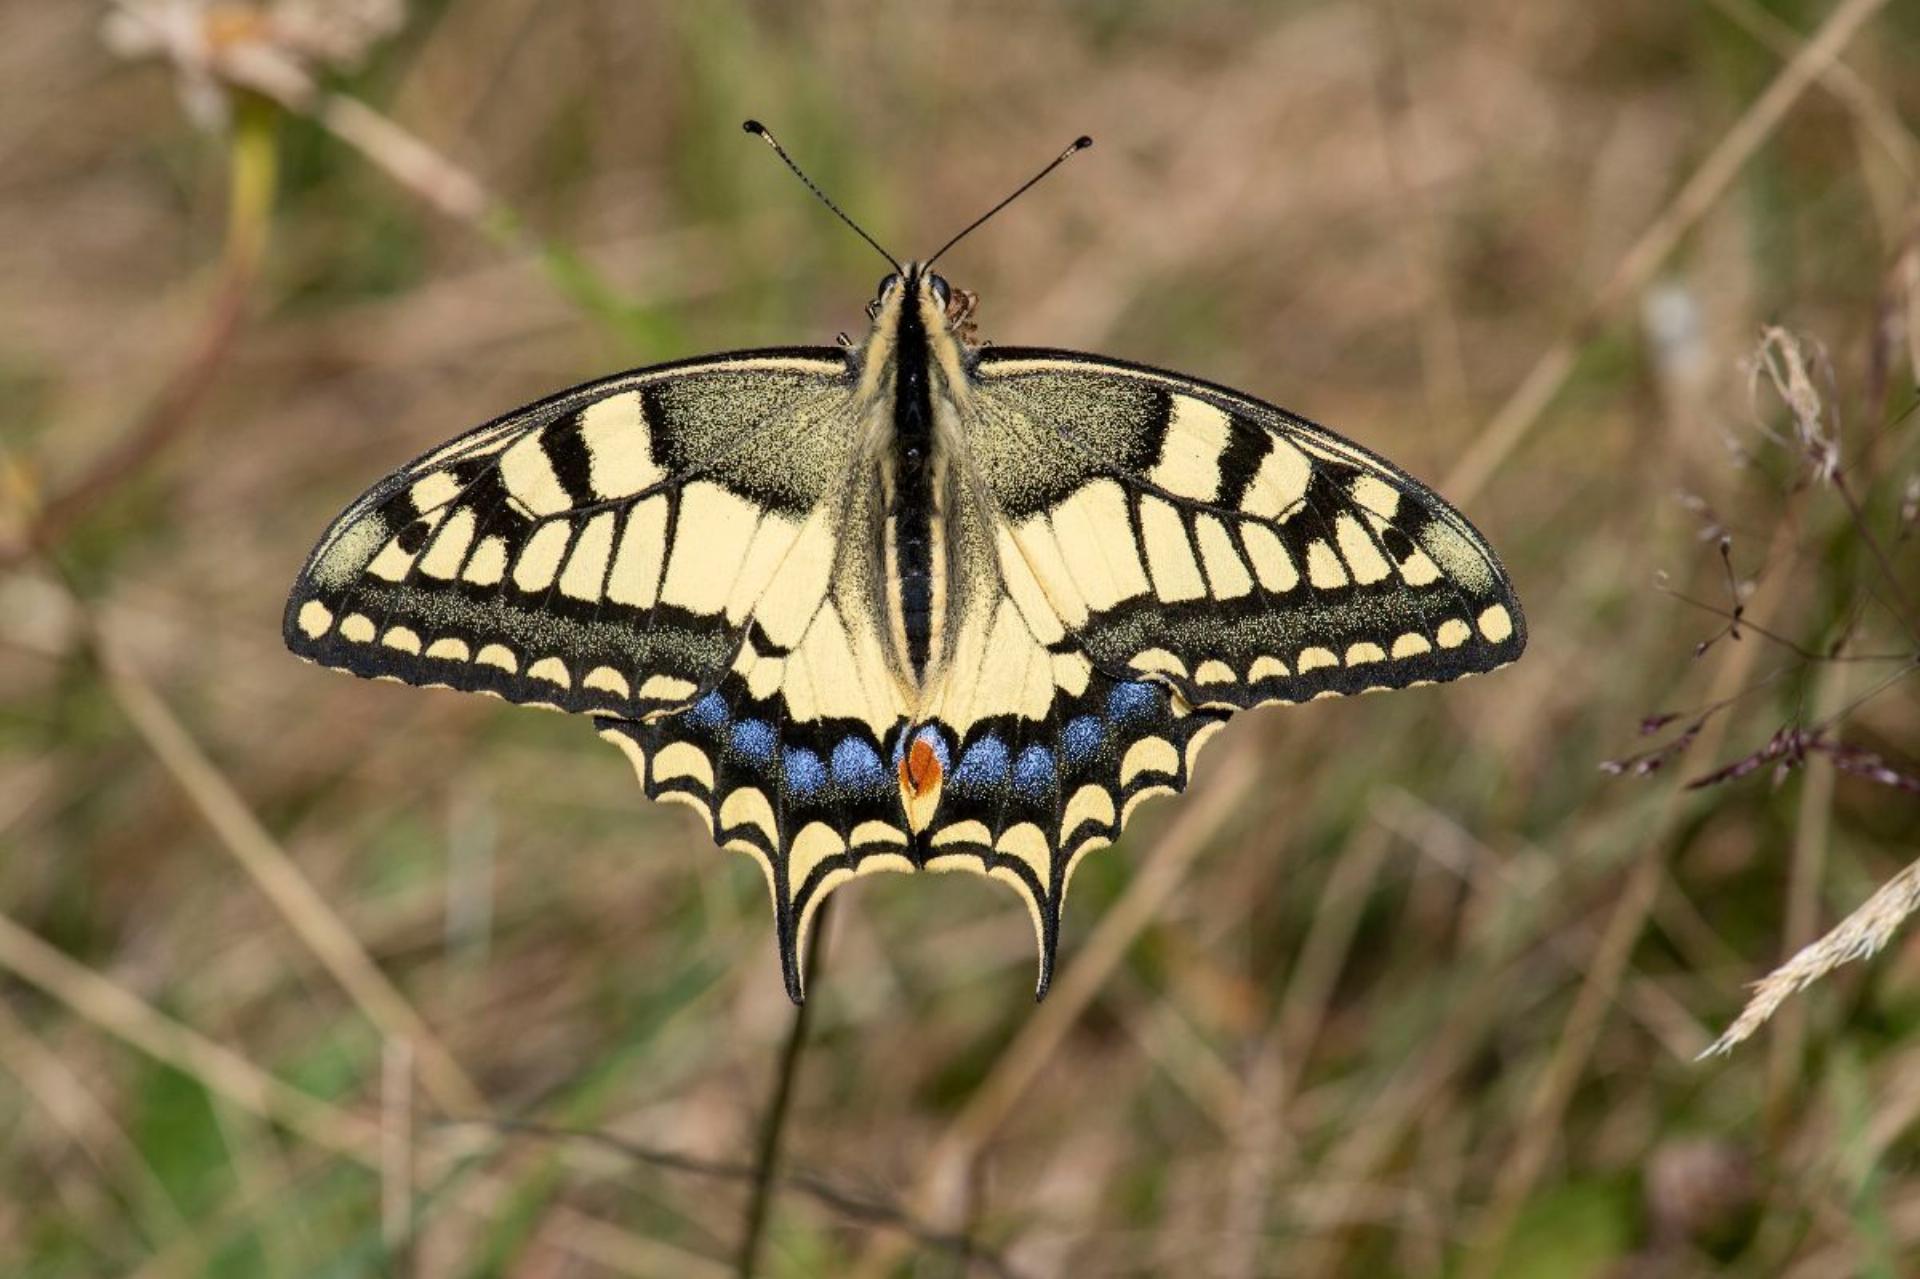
x,y
292,893
403,157
231,1076
1877,116
90,1123
1539,1130
165,420
1635,269
1443,367
397,1172
1264,1146
1812,831
220,1069
1405,985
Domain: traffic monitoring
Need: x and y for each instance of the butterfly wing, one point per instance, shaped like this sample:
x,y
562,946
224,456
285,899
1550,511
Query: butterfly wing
x,y
667,550
1260,558
1165,552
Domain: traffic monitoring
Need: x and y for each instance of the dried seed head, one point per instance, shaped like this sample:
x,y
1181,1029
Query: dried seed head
x,y
213,44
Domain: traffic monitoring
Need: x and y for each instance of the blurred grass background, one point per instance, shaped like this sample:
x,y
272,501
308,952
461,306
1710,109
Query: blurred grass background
x,y
1406,986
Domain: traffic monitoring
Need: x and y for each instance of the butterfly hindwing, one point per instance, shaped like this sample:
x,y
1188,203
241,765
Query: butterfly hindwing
x,y
787,758
1024,799
813,802
1234,552
1042,755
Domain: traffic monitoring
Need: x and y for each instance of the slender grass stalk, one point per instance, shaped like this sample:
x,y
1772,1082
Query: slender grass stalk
x,y
772,1128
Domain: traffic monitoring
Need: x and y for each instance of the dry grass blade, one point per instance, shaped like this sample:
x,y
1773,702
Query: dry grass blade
x,y
1878,116
231,1076
1858,936
1709,182
78,1111
1539,1127
312,919
220,1069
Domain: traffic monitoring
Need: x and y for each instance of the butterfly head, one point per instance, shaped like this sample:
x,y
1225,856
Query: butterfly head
x,y
941,307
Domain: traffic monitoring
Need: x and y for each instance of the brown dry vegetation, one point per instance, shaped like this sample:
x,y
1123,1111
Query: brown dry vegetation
x,y
1406,985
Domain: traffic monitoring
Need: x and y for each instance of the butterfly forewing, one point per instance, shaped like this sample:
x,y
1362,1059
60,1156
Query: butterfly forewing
x,y
604,550
1224,548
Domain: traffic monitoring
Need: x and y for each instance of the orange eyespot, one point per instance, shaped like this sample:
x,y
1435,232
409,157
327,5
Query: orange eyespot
x,y
920,768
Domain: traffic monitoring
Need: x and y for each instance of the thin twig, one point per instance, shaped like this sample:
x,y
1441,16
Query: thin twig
x,y
773,1125
1904,612
1798,650
878,1213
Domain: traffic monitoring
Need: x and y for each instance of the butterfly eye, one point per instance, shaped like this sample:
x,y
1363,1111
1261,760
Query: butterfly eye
x,y
888,283
941,293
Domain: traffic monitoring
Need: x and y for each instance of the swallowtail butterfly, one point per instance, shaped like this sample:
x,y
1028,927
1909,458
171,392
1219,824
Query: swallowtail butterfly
x,y
912,603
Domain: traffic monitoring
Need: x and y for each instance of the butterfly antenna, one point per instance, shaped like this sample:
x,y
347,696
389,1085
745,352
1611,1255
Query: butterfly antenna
x,y
1079,144
760,131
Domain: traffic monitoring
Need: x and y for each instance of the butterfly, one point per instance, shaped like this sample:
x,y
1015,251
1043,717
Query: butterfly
x,y
912,603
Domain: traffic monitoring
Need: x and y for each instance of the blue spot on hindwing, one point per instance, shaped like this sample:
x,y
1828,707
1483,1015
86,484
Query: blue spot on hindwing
x,y
710,712
856,765
1132,701
1082,737
983,764
805,774
1033,772
755,739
